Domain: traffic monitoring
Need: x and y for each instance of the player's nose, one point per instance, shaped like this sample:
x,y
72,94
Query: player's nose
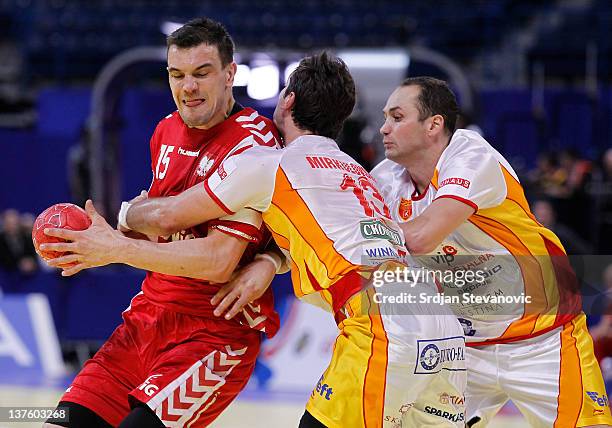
x,y
190,84
384,129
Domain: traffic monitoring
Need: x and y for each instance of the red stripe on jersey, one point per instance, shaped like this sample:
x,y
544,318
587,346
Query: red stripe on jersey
x,y
460,199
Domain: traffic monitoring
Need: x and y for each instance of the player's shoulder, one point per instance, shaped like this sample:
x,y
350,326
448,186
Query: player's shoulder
x,y
248,116
387,171
169,122
249,123
171,119
254,137
467,141
168,125
264,153
470,149
252,159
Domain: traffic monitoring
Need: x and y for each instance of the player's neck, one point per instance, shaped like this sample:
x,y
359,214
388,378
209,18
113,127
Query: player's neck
x,y
421,175
292,133
219,116
422,165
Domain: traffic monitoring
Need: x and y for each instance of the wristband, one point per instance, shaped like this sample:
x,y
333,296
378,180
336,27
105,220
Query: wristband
x,y
274,258
122,217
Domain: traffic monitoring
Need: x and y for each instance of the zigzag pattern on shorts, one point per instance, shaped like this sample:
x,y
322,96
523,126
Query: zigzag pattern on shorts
x,y
182,401
254,318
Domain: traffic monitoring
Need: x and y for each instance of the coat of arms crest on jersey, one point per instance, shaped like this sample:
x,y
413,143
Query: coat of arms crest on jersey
x,y
204,166
405,209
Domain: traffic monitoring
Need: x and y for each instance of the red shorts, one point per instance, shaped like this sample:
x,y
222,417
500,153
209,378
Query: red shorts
x,y
185,368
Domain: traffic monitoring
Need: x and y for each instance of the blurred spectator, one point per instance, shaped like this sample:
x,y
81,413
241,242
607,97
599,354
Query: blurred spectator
x,y
544,212
564,180
602,332
16,248
606,166
578,171
548,178
577,209
601,193
27,222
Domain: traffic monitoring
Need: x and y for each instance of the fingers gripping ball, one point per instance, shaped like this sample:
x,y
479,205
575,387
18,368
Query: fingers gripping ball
x,y
64,216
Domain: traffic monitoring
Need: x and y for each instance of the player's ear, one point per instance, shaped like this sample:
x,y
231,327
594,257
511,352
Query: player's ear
x,y
437,123
230,71
289,101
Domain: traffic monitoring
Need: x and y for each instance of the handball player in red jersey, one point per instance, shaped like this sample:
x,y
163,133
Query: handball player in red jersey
x,y
171,362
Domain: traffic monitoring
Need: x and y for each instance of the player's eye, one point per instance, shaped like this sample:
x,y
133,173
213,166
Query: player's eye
x,y
200,75
397,118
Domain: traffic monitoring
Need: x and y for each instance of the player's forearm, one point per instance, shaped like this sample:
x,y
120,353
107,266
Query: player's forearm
x,y
153,216
165,216
440,219
192,258
417,236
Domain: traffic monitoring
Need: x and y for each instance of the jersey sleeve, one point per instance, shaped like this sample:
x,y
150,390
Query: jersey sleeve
x,y
471,174
245,180
245,224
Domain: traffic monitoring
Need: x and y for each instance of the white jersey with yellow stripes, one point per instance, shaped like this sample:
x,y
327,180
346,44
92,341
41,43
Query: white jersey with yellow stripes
x,y
320,200
512,254
390,363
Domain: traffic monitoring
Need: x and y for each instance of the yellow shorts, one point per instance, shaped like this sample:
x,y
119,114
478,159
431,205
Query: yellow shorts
x,y
393,367
553,379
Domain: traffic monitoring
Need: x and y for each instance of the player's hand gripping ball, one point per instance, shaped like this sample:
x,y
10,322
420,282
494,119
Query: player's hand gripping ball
x,y
64,216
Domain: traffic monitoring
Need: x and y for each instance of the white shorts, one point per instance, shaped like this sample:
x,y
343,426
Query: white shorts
x,y
553,379
393,366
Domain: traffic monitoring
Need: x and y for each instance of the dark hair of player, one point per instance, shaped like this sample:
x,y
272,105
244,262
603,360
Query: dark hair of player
x,y
324,94
435,98
204,31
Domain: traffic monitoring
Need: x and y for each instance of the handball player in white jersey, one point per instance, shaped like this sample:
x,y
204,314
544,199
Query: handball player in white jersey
x,y
461,206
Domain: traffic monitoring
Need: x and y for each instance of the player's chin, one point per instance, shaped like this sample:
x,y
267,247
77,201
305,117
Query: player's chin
x,y
390,152
193,119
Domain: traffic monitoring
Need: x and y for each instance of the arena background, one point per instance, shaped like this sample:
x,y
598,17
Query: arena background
x,y
83,84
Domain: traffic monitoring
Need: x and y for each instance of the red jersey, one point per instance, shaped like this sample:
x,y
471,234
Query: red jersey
x,y
182,157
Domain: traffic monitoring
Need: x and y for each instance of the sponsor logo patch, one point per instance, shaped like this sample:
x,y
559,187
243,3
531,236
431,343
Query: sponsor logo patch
x,y
191,153
323,389
148,387
405,209
221,171
227,167
457,181
376,254
449,249
377,229
600,399
436,355
453,417
455,400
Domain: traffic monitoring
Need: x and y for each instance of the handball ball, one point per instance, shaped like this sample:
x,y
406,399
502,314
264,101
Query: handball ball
x,y
63,216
